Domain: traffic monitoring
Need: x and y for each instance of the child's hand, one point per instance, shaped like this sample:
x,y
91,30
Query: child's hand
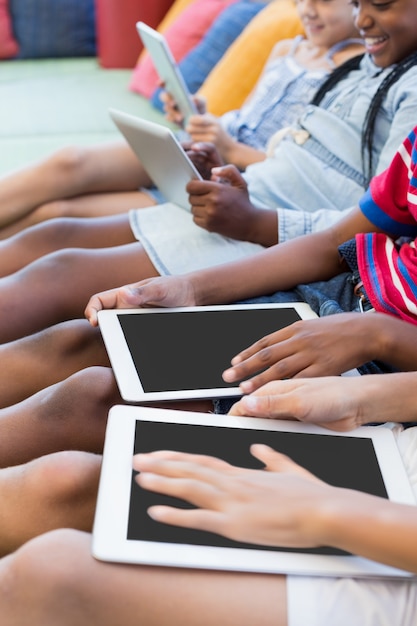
x,y
333,402
276,506
204,156
172,113
222,205
171,109
337,402
164,291
318,347
207,129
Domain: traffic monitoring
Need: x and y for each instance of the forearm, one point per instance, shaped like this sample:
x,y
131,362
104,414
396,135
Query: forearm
x,y
371,527
264,230
337,402
279,268
304,259
391,340
242,155
375,398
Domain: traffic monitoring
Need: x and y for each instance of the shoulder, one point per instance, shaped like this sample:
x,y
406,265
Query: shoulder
x,y
403,78
344,53
283,47
404,89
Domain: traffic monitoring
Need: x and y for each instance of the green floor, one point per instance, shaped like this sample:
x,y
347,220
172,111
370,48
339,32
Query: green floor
x,y
46,104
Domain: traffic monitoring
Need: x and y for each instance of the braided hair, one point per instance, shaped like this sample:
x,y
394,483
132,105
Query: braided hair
x,y
369,123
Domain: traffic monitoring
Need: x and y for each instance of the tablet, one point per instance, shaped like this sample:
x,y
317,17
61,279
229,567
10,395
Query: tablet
x,y
166,68
366,459
181,353
160,153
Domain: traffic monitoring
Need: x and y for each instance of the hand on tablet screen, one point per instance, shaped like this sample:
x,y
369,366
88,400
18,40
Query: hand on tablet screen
x,y
337,403
332,402
222,205
277,506
324,346
204,157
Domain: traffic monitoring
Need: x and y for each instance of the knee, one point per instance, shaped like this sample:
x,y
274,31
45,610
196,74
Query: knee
x,y
71,346
55,209
60,269
71,167
56,231
75,411
65,484
94,389
42,577
63,263
69,339
70,162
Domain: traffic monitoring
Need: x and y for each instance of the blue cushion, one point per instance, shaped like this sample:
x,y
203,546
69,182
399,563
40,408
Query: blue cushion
x,y
54,28
198,63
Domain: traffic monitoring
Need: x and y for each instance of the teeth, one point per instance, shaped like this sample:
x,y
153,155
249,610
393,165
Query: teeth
x,y
369,41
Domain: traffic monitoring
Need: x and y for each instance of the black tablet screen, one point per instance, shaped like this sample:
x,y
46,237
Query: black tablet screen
x,y
344,461
190,349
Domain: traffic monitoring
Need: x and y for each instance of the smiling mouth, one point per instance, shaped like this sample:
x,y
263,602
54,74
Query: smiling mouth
x,y
374,41
313,25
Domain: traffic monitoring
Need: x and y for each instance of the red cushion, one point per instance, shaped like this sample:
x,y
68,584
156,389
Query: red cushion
x,y
8,44
182,36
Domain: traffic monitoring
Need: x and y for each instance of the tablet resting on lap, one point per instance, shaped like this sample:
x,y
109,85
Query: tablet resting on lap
x,y
366,459
180,353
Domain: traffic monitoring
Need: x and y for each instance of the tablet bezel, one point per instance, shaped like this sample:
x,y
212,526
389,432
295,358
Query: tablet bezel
x,y
127,378
161,154
112,511
167,68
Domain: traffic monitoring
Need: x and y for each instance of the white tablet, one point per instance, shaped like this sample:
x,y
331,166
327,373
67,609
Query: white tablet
x,y
181,353
160,153
167,68
366,459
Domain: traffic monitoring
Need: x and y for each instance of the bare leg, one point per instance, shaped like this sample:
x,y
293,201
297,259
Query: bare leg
x,y
73,588
66,348
87,206
58,286
55,491
42,359
70,415
68,173
19,250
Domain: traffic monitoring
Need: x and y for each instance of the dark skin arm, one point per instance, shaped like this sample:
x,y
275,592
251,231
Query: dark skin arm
x,y
347,340
305,260
279,268
326,346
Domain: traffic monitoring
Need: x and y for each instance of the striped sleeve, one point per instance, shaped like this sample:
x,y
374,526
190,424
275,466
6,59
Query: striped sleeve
x,y
389,274
390,203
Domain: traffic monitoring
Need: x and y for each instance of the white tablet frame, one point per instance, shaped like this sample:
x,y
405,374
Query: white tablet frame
x,y
123,366
110,526
167,68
